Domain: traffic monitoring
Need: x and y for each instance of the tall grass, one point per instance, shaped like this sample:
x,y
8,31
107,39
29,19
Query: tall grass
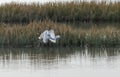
x,y
19,35
60,12
40,17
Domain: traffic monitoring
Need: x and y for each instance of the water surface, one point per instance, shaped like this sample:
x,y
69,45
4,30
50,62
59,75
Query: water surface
x,y
60,62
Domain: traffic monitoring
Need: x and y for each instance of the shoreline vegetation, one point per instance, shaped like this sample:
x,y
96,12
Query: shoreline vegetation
x,y
60,12
27,35
21,24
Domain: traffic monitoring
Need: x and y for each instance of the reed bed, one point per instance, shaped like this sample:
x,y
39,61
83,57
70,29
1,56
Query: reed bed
x,y
60,12
27,35
21,24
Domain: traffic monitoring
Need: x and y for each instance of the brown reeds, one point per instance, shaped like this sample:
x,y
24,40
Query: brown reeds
x,y
60,12
21,24
27,35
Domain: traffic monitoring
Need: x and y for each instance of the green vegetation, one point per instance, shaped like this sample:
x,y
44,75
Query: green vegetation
x,y
60,12
27,35
21,24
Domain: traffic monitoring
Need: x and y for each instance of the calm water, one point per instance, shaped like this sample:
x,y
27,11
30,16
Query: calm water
x,y
60,62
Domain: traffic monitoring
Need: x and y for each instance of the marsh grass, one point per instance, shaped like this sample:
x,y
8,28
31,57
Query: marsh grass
x,y
60,12
21,24
27,35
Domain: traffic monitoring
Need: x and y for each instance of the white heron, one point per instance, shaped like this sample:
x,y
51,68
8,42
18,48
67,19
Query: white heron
x,y
48,35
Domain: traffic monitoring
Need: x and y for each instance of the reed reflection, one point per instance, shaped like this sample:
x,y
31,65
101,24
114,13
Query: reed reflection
x,y
52,58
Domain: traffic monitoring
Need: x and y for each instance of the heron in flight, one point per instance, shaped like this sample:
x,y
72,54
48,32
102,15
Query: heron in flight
x,y
48,35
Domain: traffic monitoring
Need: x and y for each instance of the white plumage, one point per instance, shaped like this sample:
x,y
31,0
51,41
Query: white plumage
x,y
49,35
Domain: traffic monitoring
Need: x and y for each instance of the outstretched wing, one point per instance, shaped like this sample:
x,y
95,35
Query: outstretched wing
x,y
44,36
52,36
